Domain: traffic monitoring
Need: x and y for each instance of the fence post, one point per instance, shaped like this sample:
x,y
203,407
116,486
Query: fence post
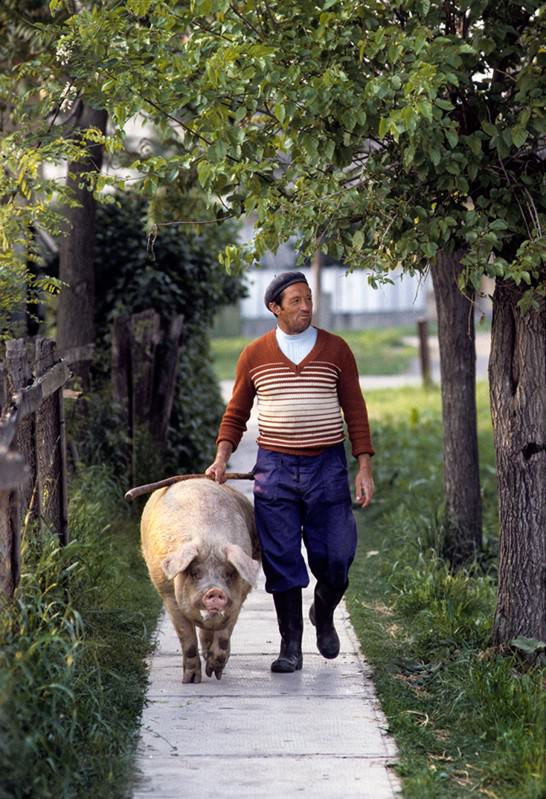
x,y
145,336
13,472
166,370
145,333
50,447
121,365
19,376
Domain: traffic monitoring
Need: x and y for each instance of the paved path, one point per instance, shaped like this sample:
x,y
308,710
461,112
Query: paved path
x,y
318,733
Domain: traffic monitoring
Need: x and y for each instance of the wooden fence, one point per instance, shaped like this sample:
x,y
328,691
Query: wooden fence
x,y
145,363
32,448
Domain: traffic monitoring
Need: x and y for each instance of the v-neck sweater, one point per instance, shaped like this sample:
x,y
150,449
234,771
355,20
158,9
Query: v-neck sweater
x,y
299,405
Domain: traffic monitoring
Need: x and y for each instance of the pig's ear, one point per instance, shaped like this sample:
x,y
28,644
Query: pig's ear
x,y
178,561
247,568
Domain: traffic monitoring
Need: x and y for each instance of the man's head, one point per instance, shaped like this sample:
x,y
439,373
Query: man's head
x,y
289,298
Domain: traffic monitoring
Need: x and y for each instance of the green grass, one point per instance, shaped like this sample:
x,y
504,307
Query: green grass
x,y
72,654
377,352
467,721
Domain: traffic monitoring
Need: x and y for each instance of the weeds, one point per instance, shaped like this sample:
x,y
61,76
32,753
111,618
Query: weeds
x,y
72,658
468,721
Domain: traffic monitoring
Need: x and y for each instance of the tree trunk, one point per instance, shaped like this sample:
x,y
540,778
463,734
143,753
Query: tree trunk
x,y
76,309
517,377
456,335
316,288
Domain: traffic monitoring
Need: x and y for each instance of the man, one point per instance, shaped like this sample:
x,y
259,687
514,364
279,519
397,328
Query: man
x,y
303,378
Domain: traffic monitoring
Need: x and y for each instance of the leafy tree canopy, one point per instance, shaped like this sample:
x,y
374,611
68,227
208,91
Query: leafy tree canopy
x,y
378,132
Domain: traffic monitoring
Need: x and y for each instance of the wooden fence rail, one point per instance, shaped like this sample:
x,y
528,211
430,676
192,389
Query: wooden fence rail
x,y
32,448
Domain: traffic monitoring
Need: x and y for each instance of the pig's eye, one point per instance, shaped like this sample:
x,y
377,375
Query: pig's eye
x,y
194,571
230,575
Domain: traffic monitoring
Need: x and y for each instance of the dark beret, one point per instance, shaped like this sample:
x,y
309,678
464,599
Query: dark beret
x,y
280,283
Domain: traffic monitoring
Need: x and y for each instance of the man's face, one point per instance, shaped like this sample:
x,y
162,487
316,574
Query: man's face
x,y
295,309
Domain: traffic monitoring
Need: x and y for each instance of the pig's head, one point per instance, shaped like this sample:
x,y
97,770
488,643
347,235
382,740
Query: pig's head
x,y
210,582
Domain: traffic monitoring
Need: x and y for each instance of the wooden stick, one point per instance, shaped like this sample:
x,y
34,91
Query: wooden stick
x,y
177,478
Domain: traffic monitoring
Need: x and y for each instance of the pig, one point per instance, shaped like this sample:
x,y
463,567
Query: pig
x,y
200,546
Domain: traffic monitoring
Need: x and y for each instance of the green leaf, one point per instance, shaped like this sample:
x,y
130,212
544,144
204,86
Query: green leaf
x,y
452,137
475,144
139,7
531,646
329,149
490,129
358,240
348,118
519,136
280,112
383,127
204,170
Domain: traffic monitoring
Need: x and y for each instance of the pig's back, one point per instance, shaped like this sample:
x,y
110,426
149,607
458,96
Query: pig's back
x,y
199,510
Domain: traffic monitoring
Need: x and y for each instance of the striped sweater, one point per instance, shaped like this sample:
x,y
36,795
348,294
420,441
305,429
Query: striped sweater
x,y
299,406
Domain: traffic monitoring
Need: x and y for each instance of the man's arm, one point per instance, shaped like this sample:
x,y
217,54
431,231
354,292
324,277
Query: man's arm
x,y
233,424
353,404
356,417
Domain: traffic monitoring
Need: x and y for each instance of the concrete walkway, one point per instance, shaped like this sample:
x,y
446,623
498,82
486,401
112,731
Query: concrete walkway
x,y
317,733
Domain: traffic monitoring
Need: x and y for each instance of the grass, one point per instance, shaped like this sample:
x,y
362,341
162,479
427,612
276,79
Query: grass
x,y
467,721
73,649
377,352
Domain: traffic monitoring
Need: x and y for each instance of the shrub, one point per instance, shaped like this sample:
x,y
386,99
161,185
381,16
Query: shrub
x,y
179,275
72,655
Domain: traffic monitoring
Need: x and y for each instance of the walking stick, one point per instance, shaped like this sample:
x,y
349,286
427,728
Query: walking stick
x,y
177,478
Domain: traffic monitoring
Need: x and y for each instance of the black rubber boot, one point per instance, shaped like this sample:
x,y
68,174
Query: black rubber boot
x,y
290,619
321,615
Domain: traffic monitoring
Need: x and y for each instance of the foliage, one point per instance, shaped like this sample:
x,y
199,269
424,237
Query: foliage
x,y
177,274
378,132
34,100
74,640
467,721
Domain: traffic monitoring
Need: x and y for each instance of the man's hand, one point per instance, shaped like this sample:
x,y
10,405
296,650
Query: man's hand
x,y
218,468
364,484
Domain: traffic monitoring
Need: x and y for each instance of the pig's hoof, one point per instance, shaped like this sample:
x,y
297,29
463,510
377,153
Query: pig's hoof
x,y
215,665
191,676
217,671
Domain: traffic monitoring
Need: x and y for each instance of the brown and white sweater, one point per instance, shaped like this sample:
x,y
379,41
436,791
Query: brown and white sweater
x,y
299,405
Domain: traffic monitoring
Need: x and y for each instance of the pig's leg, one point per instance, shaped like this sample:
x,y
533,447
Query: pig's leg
x,y
215,646
191,663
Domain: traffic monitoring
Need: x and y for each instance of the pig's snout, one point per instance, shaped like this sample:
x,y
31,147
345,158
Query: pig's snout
x,y
215,599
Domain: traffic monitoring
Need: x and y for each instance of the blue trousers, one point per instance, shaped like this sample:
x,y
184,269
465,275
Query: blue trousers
x,y
304,497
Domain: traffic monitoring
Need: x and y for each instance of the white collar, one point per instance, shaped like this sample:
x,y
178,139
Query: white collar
x,y
309,333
